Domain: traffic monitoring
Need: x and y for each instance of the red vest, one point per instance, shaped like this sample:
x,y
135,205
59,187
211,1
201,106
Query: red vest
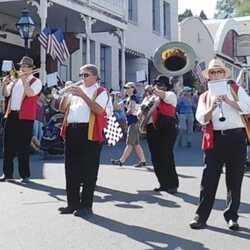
x,y
208,130
163,109
28,107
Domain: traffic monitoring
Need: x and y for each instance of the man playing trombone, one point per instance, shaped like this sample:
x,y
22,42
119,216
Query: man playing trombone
x,y
20,115
224,142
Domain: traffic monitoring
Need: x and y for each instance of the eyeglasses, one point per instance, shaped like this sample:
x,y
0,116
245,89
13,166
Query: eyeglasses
x,y
85,75
213,72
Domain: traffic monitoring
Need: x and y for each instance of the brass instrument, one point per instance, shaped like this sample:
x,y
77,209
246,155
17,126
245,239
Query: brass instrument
x,y
58,95
15,75
174,59
171,59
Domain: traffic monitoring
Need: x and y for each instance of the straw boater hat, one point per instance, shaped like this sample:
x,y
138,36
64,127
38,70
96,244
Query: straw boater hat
x,y
216,64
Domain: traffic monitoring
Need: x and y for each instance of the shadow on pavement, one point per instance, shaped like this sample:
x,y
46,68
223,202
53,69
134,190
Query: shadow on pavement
x,y
151,238
51,191
218,205
242,233
127,198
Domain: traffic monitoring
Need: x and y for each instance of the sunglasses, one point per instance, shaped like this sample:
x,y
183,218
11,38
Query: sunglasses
x,y
85,75
213,72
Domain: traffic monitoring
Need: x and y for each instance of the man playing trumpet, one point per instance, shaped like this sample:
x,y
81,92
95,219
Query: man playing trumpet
x,y
84,108
20,115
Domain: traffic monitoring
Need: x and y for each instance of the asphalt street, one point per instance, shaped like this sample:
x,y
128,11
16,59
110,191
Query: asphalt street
x,y
128,214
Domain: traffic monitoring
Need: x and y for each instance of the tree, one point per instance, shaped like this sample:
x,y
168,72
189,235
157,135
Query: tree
x,y
242,7
203,16
186,13
225,8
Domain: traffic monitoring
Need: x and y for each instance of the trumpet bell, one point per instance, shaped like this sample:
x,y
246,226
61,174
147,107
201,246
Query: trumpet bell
x,y
174,58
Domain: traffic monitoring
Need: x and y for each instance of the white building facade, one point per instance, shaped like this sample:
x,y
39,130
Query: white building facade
x,y
228,39
119,36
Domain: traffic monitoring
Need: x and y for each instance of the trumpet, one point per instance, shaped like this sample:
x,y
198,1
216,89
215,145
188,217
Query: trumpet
x,y
66,89
15,75
59,95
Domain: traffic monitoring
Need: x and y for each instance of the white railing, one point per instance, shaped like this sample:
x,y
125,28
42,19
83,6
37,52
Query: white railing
x,y
113,7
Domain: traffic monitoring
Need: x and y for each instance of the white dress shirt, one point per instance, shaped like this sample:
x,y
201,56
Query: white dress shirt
x,y
232,115
18,91
79,111
170,98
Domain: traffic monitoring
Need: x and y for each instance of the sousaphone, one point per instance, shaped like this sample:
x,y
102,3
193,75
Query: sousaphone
x,y
174,59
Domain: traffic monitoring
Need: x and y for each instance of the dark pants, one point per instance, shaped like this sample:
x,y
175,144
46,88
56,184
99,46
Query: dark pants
x,y
82,159
229,149
161,140
17,138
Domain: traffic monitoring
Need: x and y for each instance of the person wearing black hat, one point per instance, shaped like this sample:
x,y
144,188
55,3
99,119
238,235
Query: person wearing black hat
x,y
161,135
20,115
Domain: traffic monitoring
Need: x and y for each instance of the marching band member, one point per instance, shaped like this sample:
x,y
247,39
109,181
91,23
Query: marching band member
x,y
224,127
20,115
161,135
84,121
133,135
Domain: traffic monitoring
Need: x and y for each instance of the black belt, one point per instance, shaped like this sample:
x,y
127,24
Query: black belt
x,y
228,131
78,124
14,111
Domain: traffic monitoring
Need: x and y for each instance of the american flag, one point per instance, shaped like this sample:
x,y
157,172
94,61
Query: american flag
x,y
44,36
53,41
59,47
197,70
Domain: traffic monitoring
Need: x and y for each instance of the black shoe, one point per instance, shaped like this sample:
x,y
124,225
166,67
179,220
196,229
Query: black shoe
x,y
172,190
233,225
4,178
66,210
140,164
116,162
159,189
197,224
25,180
84,212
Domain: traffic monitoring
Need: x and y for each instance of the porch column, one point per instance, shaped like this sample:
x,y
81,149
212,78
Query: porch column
x,y
88,31
42,10
123,57
120,34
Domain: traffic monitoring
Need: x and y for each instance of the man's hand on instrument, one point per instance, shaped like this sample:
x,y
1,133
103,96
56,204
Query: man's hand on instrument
x,y
77,91
6,80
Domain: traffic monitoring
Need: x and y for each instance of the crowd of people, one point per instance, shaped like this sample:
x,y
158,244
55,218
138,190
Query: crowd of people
x,y
161,116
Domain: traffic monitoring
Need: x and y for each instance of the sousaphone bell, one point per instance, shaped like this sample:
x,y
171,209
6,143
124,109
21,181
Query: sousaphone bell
x,y
174,59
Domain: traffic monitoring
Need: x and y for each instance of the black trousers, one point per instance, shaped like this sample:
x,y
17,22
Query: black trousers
x,y
229,149
82,158
17,138
161,140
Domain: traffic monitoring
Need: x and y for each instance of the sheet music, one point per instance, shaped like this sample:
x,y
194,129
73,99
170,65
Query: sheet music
x,y
218,87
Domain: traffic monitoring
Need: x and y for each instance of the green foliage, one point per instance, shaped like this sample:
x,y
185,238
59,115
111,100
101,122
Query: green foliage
x,y
225,9
232,8
242,8
203,16
186,13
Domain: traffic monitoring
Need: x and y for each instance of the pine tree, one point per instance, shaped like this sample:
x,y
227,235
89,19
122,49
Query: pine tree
x,y
186,13
203,16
